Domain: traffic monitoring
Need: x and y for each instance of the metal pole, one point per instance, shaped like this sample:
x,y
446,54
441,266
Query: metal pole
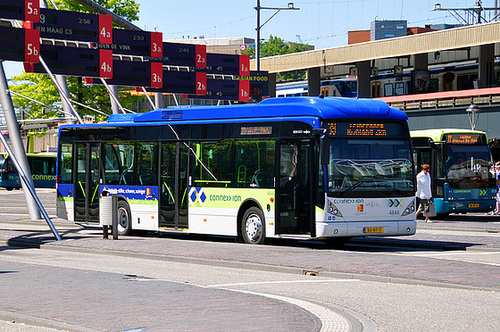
x,y
257,42
27,183
16,141
113,93
159,100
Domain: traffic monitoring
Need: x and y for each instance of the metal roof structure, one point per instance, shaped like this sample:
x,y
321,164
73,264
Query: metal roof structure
x,y
450,39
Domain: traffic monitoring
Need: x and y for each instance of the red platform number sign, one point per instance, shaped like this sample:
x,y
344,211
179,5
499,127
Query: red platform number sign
x,y
106,63
32,11
244,91
31,44
105,29
201,84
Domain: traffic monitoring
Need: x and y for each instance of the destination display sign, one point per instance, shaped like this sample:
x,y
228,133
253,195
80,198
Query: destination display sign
x,y
73,61
24,10
133,42
19,44
76,26
364,129
256,130
465,138
186,55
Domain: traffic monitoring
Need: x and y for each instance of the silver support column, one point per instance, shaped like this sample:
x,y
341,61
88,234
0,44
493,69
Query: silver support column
x,y
17,144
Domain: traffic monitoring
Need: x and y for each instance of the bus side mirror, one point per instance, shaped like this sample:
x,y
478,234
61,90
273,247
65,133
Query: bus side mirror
x,y
324,148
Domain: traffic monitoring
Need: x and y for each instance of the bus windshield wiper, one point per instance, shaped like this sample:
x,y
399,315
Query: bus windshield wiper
x,y
354,186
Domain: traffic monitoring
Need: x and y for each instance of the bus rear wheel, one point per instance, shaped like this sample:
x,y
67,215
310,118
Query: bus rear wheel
x,y
124,218
253,226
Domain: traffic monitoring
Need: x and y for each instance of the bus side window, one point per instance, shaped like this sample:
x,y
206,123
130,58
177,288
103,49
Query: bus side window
x,y
257,156
148,164
214,167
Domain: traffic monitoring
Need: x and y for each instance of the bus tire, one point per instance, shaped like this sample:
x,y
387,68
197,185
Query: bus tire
x,y
124,218
253,228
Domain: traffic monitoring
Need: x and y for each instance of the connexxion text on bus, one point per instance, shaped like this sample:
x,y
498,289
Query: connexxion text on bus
x,y
303,168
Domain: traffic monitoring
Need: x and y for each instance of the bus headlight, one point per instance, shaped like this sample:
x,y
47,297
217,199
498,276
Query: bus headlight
x,y
409,209
334,210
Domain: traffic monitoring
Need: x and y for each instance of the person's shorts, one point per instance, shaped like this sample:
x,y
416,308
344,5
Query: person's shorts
x,y
423,204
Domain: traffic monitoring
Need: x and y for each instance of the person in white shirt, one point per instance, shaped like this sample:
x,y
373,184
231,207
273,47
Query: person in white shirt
x,y
424,193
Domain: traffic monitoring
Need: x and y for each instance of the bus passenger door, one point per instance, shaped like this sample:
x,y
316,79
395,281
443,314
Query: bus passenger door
x,y
295,195
173,192
87,182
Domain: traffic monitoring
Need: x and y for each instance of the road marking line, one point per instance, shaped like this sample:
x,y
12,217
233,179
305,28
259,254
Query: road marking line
x,y
330,320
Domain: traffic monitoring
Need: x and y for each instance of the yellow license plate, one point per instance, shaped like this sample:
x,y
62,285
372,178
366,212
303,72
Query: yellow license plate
x,y
373,230
473,205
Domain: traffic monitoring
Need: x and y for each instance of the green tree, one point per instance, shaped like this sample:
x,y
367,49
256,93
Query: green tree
x,y
41,88
277,46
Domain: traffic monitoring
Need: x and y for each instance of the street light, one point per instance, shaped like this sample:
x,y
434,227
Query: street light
x,y
290,6
473,114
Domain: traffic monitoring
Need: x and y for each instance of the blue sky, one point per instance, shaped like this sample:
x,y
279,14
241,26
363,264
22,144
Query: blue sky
x,y
320,23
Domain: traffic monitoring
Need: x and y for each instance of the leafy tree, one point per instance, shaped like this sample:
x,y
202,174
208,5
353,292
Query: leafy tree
x,y
277,46
41,88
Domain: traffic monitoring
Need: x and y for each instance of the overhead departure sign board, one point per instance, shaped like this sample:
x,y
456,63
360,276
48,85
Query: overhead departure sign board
x,y
19,44
24,10
226,90
228,64
74,62
136,43
132,73
186,55
66,25
183,82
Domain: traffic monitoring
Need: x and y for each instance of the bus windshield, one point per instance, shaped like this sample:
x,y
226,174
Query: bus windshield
x,y
468,166
361,167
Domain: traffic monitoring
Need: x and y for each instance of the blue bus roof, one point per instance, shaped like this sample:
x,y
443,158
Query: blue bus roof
x,y
270,109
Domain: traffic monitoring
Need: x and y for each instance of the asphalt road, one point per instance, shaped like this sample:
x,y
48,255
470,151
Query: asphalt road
x,y
446,278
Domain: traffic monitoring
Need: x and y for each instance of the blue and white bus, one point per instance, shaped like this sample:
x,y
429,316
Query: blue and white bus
x,y
460,159
301,168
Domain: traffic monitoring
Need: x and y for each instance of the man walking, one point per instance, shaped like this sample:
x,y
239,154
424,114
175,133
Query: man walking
x,y
424,193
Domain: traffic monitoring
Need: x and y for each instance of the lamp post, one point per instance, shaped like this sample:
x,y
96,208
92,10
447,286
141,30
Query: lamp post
x,y
473,114
291,6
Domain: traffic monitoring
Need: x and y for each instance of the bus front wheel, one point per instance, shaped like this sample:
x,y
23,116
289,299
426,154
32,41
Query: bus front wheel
x,y
253,226
124,218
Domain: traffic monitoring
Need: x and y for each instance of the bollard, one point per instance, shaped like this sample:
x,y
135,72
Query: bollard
x,y
105,215
114,216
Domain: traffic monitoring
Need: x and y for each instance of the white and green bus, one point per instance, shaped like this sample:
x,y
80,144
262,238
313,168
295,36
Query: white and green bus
x,y
302,168
461,161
